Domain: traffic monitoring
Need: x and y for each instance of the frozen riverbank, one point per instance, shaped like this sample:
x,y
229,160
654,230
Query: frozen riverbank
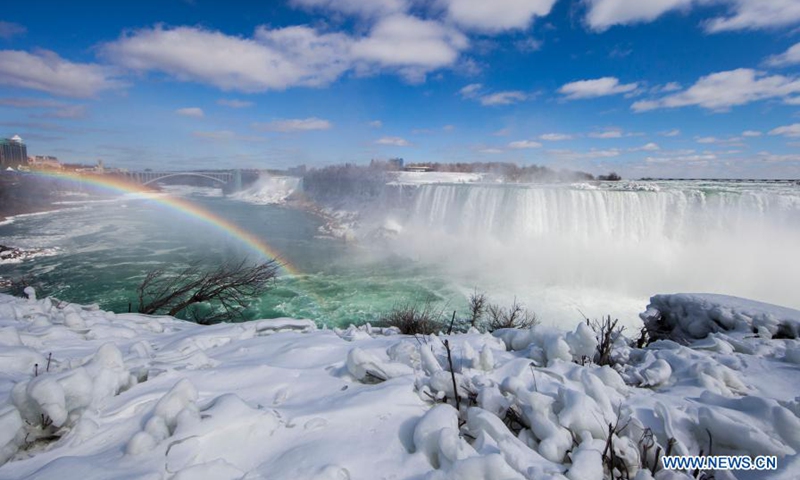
x,y
90,394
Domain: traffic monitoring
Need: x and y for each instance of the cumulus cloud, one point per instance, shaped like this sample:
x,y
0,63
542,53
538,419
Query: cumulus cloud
x,y
599,87
233,103
555,137
792,130
496,15
751,133
393,141
524,144
670,133
45,71
789,57
723,90
294,125
272,60
739,14
376,124
8,30
195,112
276,59
409,44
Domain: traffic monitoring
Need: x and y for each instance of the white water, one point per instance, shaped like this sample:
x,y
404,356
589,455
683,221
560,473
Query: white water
x,y
564,248
269,190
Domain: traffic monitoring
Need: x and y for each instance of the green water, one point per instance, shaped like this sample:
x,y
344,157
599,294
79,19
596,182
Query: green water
x,y
105,248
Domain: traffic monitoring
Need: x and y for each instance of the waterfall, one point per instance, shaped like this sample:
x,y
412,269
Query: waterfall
x,y
611,244
536,212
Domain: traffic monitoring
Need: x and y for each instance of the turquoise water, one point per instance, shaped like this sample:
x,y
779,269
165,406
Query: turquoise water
x,y
563,251
105,248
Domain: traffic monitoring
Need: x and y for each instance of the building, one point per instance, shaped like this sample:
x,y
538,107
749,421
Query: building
x,y
13,153
44,162
396,163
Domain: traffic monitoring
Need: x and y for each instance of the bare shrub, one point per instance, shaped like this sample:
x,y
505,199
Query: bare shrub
x,y
227,288
411,319
477,307
607,333
515,316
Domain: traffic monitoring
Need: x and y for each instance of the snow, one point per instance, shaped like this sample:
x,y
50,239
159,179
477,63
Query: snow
x,y
422,178
90,394
269,189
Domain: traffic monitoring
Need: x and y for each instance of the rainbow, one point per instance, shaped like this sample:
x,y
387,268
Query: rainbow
x,y
118,185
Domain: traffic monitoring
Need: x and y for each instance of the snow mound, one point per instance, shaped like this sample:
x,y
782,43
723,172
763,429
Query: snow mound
x,y
694,316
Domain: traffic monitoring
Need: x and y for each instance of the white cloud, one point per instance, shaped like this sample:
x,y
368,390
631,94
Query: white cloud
x,y
45,71
670,133
756,14
792,130
233,103
273,60
599,87
740,14
647,147
276,59
9,30
409,44
496,15
603,14
473,91
190,112
555,137
751,133
503,98
720,141
613,133
523,144
723,90
364,8
789,57
376,124
294,125
393,141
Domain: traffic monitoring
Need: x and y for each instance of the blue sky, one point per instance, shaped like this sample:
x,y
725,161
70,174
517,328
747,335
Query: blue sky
x,y
689,88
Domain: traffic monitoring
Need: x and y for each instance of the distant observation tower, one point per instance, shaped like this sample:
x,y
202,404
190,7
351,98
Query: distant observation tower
x,y
13,153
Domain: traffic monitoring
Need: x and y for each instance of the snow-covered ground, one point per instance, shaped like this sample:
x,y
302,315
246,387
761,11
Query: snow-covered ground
x,y
422,178
88,394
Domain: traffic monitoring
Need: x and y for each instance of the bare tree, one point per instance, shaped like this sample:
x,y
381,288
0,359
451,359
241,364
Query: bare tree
x,y
477,307
516,316
228,287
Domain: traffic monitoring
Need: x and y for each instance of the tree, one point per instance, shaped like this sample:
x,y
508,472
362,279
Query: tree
x,y
228,288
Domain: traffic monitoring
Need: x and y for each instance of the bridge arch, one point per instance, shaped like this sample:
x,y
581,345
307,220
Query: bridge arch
x,y
186,174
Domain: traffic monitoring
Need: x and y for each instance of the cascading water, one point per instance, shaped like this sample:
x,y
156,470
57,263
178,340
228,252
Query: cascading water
x,y
614,242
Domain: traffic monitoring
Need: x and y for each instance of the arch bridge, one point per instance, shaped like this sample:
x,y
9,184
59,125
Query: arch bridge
x,y
231,178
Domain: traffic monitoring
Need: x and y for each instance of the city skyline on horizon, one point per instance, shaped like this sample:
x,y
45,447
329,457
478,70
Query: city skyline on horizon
x,y
674,88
